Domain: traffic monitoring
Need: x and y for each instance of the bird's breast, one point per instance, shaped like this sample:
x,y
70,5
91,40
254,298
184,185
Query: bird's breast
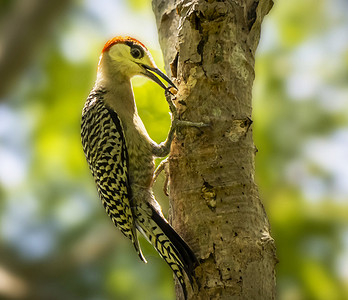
x,y
141,161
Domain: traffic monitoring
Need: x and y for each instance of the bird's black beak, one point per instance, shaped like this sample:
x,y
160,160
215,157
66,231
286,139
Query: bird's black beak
x,y
150,72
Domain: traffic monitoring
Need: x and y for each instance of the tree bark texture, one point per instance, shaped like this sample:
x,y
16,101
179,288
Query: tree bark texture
x,y
209,49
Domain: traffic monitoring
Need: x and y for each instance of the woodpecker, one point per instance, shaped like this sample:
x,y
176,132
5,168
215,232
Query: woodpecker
x,y
120,153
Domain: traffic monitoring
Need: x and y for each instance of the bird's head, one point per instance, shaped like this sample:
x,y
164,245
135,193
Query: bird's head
x,y
128,57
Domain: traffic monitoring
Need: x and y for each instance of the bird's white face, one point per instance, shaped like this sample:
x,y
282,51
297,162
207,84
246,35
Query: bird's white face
x,y
127,57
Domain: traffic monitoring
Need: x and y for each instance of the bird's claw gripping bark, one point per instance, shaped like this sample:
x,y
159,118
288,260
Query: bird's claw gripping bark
x,y
175,116
172,107
163,148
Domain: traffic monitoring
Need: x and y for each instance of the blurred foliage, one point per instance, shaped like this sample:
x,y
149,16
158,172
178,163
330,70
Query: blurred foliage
x,y
55,239
139,4
308,217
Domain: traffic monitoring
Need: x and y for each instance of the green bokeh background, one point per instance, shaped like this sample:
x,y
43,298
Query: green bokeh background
x,y
56,241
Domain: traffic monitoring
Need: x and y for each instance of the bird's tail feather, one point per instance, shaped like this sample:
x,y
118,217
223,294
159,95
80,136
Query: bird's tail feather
x,y
138,248
168,243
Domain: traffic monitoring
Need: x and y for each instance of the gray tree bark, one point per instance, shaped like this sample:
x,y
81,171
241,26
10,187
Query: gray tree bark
x,y
209,48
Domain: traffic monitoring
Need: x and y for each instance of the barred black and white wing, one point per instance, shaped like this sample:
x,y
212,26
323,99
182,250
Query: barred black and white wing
x,y
106,152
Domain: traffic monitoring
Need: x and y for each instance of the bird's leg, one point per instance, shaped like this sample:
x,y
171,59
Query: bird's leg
x,y
160,168
163,148
163,166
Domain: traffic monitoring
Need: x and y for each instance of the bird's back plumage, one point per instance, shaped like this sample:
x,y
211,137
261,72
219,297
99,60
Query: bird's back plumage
x,y
105,149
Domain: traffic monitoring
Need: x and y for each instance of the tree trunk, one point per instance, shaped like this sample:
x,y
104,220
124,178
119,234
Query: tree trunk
x,y
215,205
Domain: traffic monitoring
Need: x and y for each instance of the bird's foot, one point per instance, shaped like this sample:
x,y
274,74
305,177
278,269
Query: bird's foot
x,y
175,116
163,166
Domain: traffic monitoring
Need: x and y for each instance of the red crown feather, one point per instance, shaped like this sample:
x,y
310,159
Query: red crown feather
x,y
121,39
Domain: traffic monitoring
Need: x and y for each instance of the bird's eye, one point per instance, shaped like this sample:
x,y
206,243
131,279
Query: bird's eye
x,y
136,52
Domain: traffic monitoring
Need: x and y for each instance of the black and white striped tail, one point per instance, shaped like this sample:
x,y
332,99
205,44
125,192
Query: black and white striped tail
x,y
168,243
